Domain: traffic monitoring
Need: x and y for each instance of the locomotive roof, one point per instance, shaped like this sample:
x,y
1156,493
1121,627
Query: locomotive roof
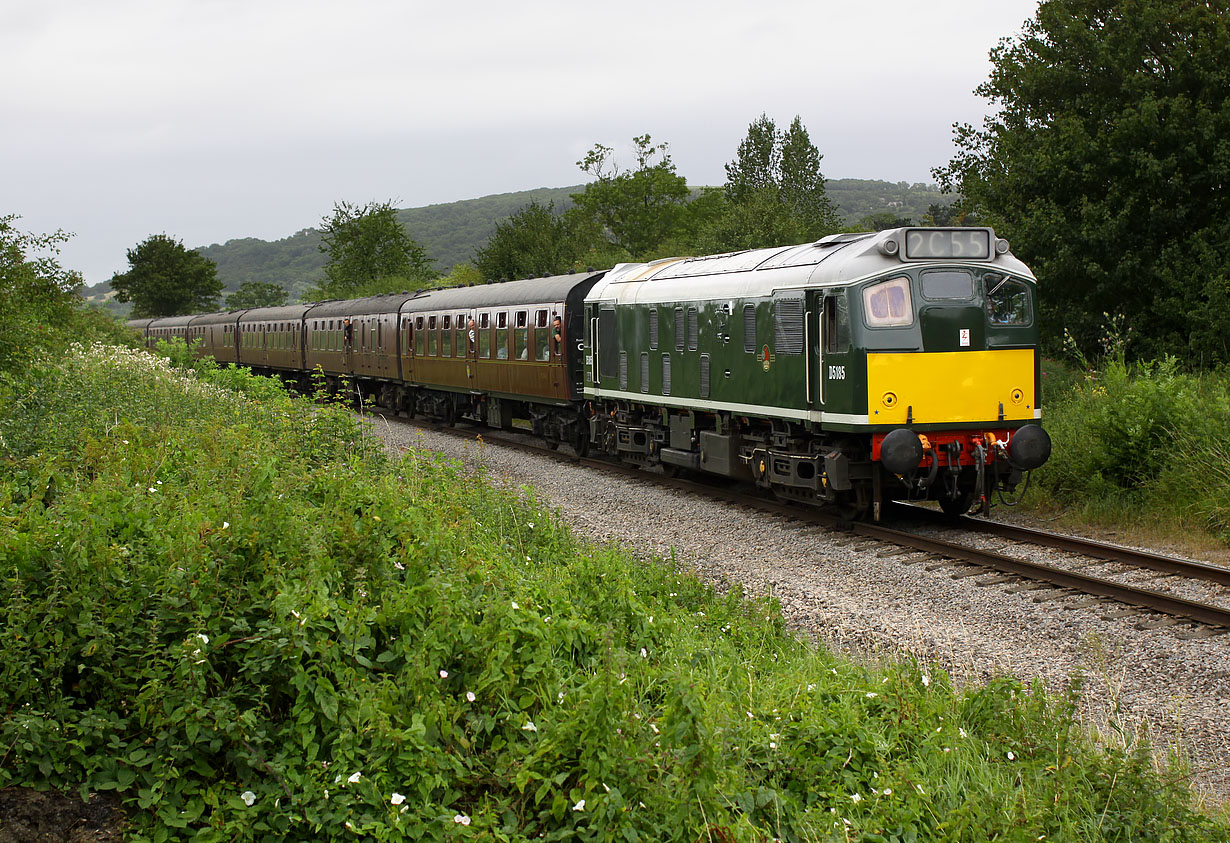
x,y
835,260
553,288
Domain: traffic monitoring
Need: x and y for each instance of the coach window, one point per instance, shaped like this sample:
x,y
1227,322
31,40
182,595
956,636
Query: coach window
x,y
484,335
836,323
521,338
542,333
446,335
461,334
888,304
420,336
433,337
1007,300
501,335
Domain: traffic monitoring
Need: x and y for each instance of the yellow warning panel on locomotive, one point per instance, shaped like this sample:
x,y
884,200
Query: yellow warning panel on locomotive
x,y
951,387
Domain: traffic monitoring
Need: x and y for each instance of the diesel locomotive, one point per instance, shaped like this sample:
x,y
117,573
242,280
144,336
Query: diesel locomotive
x,y
855,370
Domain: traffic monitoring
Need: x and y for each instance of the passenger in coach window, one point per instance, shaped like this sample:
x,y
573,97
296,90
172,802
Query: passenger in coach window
x,y
472,333
557,333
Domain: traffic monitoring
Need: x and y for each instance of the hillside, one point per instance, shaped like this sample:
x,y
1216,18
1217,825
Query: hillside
x,y
451,232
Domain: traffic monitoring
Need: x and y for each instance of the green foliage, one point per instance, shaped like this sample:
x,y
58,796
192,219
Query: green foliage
x,y
369,252
1106,164
534,241
166,279
635,210
225,604
40,309
774,193
256,294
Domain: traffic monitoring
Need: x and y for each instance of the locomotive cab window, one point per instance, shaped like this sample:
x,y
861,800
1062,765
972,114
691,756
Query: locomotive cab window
x,y
888,304
953,284
836,324
1007,300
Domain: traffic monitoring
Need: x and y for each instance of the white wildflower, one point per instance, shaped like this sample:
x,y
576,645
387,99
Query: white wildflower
x,y
529,727
444,674
644,653
397,799
1011,757
772,745
871,695
919,788
355,776
461,819
470,696
152,489
226,525
856,798
888,791
580,806
204,638
248,797
926,680
961,732
655,729
514,605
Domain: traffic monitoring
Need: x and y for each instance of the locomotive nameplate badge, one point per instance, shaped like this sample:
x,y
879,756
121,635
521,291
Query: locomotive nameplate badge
x,y
766,359
965,337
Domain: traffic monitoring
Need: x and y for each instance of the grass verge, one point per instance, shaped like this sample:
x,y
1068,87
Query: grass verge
x,y
225,604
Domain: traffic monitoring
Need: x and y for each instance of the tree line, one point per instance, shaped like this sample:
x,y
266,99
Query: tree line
x,y
1105,161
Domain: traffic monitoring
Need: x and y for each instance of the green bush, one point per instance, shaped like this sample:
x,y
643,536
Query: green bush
x,y
244,618
1146,442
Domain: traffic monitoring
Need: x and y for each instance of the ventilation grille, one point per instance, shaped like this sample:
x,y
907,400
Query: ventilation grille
x,y
666,374
653,329
749,327
644,371
704,376
623,370
679,329
693,328
788,326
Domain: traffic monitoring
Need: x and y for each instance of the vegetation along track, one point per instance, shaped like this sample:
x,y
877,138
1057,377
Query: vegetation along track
x,y
1202,619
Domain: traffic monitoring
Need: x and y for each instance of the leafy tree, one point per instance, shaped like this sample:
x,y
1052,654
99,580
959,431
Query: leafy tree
x,y
40,305
882,220
1106,163
257,294
532,242
637,210
166,279
774,192
369,252
947,214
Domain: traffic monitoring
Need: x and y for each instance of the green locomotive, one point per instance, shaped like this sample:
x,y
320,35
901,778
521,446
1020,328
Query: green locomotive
x,y
858,369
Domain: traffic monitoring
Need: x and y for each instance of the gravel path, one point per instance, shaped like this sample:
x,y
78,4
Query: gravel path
x,y
873,606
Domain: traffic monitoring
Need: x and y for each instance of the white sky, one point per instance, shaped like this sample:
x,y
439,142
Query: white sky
x,y
217,119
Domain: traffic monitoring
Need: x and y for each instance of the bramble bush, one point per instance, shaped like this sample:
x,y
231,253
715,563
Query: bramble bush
x,y
1143,442
226,604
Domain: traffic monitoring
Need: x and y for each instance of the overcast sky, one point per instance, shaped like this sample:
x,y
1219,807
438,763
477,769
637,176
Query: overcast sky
x,y
217,119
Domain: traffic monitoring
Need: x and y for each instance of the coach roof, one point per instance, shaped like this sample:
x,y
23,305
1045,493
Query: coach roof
x,y
553,288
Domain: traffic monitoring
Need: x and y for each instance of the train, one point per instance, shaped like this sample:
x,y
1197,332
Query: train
x,y
853,371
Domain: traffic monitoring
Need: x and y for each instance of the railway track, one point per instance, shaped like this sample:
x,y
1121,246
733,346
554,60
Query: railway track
x,y
1159,608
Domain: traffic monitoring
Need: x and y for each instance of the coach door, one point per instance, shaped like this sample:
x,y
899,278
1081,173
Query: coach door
x,y
467,337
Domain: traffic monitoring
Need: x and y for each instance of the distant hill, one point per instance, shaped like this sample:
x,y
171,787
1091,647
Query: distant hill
x,y
451,232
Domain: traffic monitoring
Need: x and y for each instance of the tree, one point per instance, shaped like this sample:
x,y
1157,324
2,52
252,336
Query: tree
x,y
774,192
533,241
635,210
166,279
369,252
256,294
38,298
1106,163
